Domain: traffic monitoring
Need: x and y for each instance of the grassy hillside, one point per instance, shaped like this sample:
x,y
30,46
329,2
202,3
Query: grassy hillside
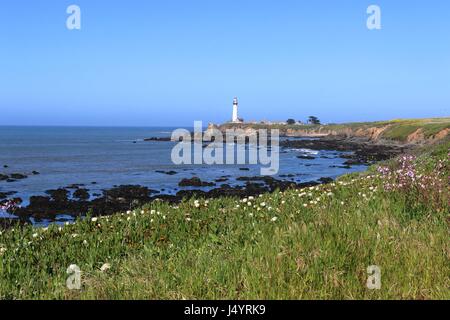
x,y
313,243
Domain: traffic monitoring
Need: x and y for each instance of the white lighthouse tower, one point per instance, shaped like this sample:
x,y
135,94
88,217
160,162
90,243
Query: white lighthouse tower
x,y
235,111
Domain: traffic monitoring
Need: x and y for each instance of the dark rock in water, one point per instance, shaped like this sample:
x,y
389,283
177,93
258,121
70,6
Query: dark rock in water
x,y
11,180
287,175
5,166
58,195
306,157
3,177
244,169
93,182
342,167
195,182
39,202
4,195
35,172
74,186
354,162
326,180
170,173
221,180
164,139
18,176
81,194
128,192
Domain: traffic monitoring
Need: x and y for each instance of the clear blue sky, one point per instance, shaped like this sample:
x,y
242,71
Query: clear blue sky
x,y
170,62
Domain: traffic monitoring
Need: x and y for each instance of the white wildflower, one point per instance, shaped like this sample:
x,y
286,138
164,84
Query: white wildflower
x,y
105,267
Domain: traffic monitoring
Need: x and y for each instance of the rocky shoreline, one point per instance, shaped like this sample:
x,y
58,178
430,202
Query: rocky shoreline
x,y
75,200
360,151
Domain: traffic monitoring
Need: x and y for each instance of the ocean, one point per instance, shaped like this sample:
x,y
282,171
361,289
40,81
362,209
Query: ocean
x,y
103,157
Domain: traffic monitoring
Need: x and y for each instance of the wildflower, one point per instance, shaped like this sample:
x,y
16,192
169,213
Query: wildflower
x,y
2,251
85,242
94,219
263,204
35,235
274,219
128,212
105,267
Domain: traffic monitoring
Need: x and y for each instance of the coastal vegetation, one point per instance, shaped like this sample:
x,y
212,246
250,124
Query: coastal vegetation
x,y
310,243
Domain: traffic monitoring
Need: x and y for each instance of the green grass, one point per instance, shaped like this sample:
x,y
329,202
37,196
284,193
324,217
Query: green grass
x,y
299,244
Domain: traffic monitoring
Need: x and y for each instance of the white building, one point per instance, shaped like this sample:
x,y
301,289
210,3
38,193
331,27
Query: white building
x,y
235,117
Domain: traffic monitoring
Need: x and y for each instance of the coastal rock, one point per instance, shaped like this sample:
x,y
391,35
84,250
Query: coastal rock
x,y
326,180
74,186
341,167
18,176
170,173
195,182
81,194
4,195
163,139
3,177
58,195
362,151
305,157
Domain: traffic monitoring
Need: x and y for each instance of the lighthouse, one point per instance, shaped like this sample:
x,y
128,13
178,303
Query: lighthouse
x,y
235,111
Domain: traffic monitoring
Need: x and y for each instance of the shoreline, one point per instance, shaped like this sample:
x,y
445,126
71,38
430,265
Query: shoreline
x,y
125,197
